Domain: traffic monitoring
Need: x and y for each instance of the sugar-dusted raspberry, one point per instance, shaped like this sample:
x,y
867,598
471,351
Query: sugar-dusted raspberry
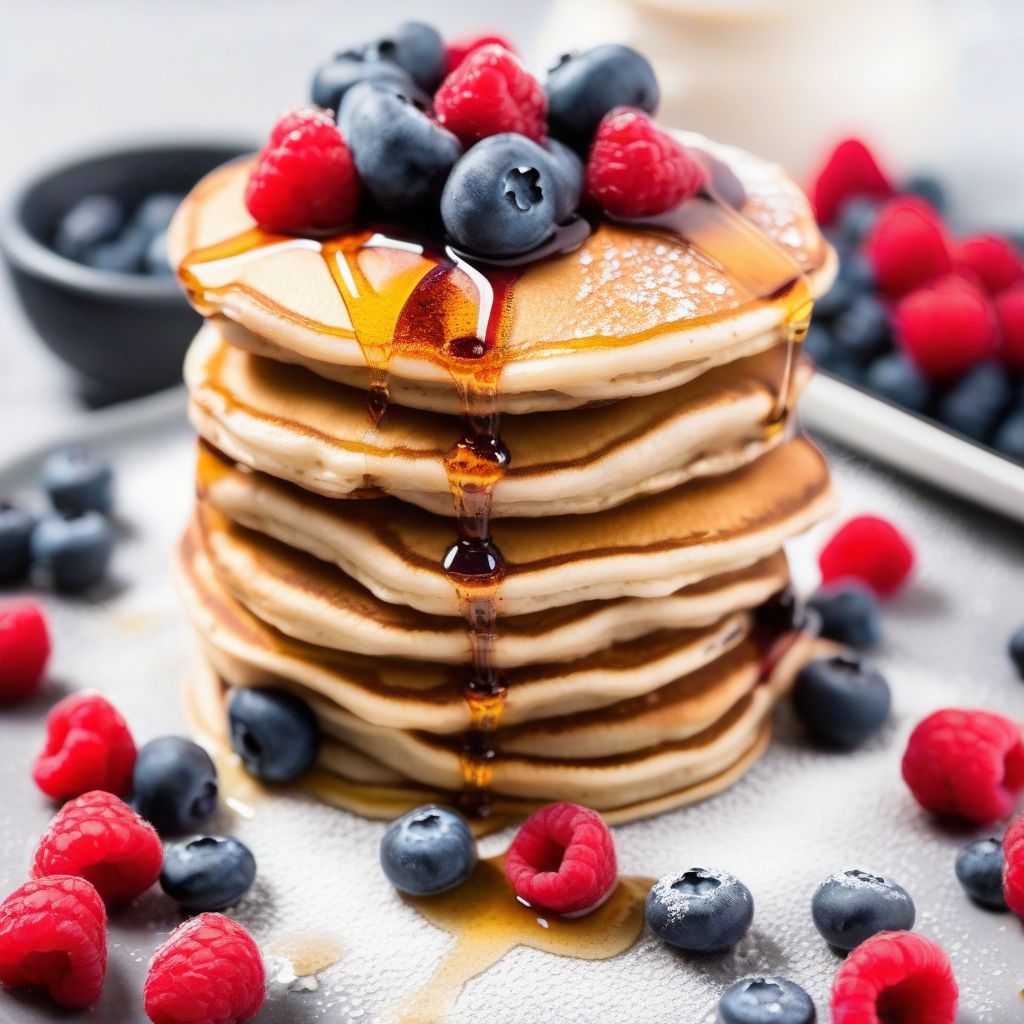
x,y
491,92
965,763
908,246
1010,314
100,838
995,261
637,170
24,648
946,327
563,859
850,170
1013,866
208,971
88,746
53,937
457,50
304,178
870,549
895,977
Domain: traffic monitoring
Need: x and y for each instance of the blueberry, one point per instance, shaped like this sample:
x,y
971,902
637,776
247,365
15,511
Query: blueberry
x,y
16,526
155,212
125,254
979,869
858,271
175,785
77,480
156,260
406,91
1009,437
92,221
583,87
1017,650
976,401
841,700
208,873
856,219
334,79
74,547
849,614
274,733
502,197
567,172
929,188
835,300
700,911
417,48
765,1001
895,378
427,851
851,906
818,344
862,329
402,155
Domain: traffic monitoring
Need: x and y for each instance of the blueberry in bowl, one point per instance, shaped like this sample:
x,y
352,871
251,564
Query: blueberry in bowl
x,y
83,244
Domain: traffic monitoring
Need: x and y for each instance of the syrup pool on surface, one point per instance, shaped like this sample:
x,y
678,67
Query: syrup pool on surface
x,y
487,921
296,959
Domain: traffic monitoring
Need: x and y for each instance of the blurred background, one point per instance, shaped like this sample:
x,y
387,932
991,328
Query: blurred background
x,y
931,84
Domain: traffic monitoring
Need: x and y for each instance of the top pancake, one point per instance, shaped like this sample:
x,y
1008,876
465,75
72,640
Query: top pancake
x,y
634,310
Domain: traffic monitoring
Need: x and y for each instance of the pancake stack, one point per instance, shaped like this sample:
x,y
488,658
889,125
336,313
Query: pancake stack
x,y
514,532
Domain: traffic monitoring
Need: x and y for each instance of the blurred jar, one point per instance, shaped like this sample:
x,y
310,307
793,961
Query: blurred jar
x,y
785,78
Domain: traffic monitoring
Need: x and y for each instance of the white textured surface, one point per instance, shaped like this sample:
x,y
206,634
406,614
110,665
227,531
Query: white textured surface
x,y
799,816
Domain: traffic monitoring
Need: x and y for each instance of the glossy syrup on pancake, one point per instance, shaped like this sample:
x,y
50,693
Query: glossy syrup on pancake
x,y
451,310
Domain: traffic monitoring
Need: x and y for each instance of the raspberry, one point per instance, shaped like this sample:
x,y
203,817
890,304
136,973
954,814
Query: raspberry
x,y
304,179
88,746
208,971
1010,314
459,49
995,261
965,764
869,549
908,246
491,92
24,648
637,170
563,859
850,170
946,327
1013,866
53,936
100,838
895,978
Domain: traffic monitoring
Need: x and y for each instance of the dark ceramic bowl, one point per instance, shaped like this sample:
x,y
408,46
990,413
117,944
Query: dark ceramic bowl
x,y
124,334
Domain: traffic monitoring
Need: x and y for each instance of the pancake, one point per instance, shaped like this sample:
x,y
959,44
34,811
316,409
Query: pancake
x,y
633,310
651,547
293,425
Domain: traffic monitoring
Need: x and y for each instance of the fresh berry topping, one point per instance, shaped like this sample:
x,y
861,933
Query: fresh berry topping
x,y
427,851
842,701
1010,314
869,549
1017,651
24,648
908,247
895,978
75,548
857,218
402,154
208,971
965,764
862,330
583,87
895,377
208,873
563,859
100,838
849,171
849,614
976,403
415,47
637,170
567,169
489,93
995,261
88,746
765,1001
459,49
1013,867
503,197
53,937
333,80
175,785
700,911
979,869
304,178
927,187
851,906
77,480
16,526
274,733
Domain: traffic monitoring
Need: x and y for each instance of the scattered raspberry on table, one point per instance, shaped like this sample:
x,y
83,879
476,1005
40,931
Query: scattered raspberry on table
x,y
24,648
870,549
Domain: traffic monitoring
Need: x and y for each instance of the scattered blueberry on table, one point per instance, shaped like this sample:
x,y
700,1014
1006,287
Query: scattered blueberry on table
x,y
428,851
851,906
764,1000
208,873
274,733
700,911
842,701
979,869
175,785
